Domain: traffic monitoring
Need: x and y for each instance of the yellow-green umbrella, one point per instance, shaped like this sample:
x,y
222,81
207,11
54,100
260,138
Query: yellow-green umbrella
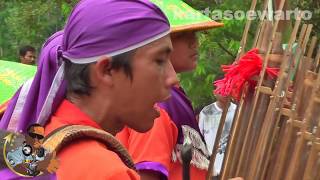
x,y
12,76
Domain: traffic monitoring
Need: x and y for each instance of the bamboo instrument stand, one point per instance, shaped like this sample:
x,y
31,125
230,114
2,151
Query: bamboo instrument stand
x,y
276,129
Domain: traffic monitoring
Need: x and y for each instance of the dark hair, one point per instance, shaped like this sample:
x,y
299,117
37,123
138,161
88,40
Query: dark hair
x,y
32,126
198,109
77,75
24,49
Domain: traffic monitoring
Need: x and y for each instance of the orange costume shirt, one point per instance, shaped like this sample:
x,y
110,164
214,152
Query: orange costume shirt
x,y
154,150
85,159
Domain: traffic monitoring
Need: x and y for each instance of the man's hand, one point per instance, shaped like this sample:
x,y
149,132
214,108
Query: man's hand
x,y
149,175
50,163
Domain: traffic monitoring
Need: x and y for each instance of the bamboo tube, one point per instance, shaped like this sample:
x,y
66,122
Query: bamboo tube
x,y
317,60
309,59
258,42
312,46
306,93
312,160
245,32
301,70
303,31
236,136
217,140
261,26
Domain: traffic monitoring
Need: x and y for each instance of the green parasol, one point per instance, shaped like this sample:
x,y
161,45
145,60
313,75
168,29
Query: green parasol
x,y
182,17
12,76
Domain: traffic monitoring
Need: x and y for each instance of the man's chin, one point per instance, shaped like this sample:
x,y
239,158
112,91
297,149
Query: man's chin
x,y
148,121
144,129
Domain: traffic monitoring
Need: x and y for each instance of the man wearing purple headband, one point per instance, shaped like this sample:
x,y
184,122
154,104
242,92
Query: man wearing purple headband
x,y
112,67
157,153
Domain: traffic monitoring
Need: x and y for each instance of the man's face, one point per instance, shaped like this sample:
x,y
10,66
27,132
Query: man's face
x,y
153,76
222,100
185,51
35,137
28,58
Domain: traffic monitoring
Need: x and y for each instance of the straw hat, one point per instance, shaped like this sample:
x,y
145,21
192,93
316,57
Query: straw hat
x,y
182,17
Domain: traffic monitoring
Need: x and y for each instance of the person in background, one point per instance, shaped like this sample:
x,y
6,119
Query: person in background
x,y
209,120
27,55
197,111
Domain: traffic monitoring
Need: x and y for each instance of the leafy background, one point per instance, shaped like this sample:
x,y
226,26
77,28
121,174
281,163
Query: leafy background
x,y
32,21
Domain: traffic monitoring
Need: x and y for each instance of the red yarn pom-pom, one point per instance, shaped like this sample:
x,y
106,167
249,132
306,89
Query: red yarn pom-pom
x,y
236,75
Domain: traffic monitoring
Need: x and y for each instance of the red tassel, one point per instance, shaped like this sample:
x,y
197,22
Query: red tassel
x,y
236,75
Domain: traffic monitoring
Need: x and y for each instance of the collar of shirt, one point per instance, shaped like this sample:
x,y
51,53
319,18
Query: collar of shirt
x,y
69,113
232,107
217,107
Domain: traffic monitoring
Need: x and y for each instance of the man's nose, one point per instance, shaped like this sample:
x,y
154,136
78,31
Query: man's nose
x,y
172,78
194,42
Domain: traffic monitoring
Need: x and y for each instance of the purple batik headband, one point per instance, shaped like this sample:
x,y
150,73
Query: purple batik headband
x,y
95,28
92,32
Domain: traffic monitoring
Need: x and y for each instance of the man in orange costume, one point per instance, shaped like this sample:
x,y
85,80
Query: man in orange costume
x,y
157,152
113,66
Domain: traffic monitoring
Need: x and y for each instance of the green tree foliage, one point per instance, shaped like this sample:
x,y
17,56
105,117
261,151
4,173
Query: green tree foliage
x,y
314,7
29,22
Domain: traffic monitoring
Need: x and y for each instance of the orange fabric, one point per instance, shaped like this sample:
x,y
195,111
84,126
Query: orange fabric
x,y
85,159
157,146
3,107
195,174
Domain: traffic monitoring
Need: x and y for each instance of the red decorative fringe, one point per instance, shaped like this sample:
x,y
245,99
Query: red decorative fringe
x,y
236,75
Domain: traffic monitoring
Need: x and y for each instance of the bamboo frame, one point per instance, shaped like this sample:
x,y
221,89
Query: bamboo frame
x,y
217,140
248,140
236,135
278,100
263,140
293,169
289,129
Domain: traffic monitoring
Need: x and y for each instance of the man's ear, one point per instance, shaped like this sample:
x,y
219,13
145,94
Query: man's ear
x,y
102,70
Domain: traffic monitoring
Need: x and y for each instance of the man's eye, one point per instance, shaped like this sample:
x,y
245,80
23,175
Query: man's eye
x,y
160,61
